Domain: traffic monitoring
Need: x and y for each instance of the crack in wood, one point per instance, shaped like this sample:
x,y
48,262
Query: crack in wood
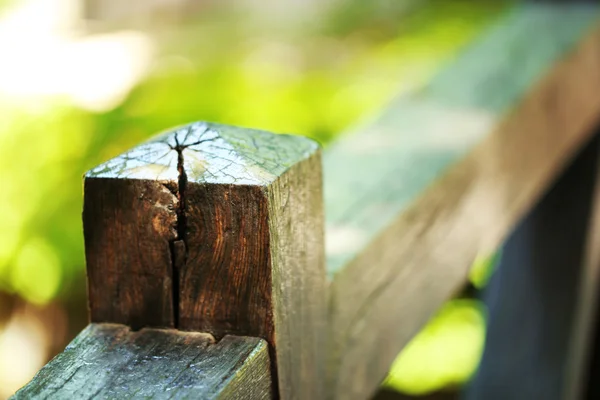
x,y
179,245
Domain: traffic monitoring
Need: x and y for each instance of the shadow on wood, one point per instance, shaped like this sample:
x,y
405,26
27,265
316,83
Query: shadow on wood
x,y
538,298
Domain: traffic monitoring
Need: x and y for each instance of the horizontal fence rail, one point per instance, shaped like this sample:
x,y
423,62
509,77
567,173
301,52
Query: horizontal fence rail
x,y
232,231
444,174
111,361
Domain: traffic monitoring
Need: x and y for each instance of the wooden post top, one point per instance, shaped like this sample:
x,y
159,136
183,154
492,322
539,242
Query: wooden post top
x,y
209,153
215,229
136,213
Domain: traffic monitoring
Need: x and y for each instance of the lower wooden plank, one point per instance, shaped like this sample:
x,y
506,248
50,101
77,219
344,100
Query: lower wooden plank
x,y
109,361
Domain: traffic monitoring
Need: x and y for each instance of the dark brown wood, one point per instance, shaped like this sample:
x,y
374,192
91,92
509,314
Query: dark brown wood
x,y
230,237
129,225
109,361
254,237
225,285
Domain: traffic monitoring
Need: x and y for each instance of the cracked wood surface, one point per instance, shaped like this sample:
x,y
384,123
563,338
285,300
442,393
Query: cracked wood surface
x,y
234,224
444,174
109,361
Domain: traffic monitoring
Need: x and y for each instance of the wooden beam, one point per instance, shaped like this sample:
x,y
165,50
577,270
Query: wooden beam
x,y
444,174
233,231
111,361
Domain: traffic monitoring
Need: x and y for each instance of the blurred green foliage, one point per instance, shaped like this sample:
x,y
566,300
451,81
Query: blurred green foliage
x,y
43,150
447,350
445,353
315,84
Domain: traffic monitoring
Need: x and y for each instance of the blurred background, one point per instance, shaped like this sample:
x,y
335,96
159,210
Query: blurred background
x,y
83,80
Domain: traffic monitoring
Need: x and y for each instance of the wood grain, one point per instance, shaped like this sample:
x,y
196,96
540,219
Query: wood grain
x,y
225,284
444,174
231,241
129,225
255,263
299,291
109,361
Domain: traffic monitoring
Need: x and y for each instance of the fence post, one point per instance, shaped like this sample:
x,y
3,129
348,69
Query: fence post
x,y
216,229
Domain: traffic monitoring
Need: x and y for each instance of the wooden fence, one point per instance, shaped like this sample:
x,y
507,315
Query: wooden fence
x,y
227,262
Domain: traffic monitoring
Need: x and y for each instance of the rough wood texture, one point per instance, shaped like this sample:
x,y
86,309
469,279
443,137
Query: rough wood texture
x,y
129,225
255,259
297,244
225,284
108,361
241,252
445,174
539,294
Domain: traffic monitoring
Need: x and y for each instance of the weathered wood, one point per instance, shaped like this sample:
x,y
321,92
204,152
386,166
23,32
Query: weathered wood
x,y
444,174
244,251
255,261
109,361
299,293
130,221
539,296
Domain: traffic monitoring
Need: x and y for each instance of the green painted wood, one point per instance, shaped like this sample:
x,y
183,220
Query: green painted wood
x,y
419,136
444,174
109,361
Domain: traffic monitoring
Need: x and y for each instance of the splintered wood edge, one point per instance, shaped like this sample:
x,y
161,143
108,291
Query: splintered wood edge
x,y
111,361
389,289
